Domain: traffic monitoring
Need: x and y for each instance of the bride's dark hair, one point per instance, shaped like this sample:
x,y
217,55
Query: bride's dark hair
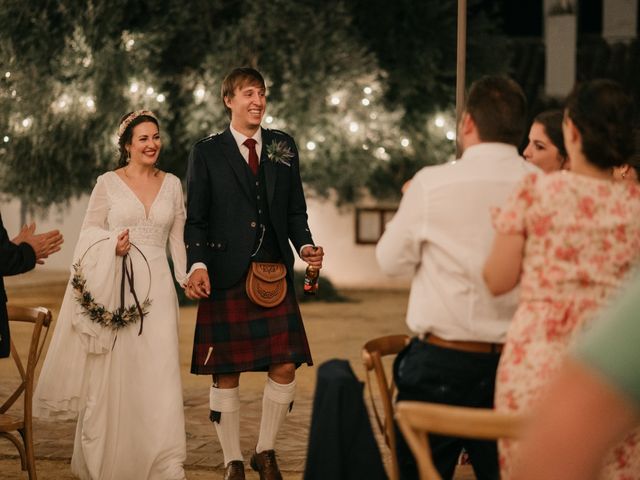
x,y
127,135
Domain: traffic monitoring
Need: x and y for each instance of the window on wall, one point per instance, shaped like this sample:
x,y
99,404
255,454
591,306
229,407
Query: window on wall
x,y
370,223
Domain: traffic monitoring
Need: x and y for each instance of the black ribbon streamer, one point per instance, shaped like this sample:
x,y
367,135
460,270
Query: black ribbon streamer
x,y
127,274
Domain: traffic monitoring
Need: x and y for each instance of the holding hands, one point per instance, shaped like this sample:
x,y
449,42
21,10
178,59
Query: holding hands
x,y
43,244
198,285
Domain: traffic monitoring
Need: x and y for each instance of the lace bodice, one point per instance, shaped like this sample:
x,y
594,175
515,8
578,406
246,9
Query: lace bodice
x,y
114,207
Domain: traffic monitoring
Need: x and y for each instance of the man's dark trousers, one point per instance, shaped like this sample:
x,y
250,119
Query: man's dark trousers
x,y
430,373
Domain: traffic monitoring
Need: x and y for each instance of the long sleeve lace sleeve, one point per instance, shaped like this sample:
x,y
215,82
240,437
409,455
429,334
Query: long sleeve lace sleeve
x,y
176,235
98,208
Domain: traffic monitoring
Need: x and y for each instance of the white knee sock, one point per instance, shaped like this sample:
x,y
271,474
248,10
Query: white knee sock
x,y
275,404
227,402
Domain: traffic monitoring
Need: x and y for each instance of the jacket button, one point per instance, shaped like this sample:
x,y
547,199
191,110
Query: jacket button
x,y
219,245
253,224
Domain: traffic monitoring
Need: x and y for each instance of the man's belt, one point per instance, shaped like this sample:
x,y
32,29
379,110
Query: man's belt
x,y
462,345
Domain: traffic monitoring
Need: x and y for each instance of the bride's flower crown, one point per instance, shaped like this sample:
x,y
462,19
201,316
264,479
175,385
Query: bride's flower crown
x,y
131,117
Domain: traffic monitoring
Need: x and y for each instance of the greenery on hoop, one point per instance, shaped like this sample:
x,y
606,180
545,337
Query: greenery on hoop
x,y
96,312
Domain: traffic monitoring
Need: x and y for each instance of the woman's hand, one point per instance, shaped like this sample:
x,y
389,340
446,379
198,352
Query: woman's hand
x,y
123,246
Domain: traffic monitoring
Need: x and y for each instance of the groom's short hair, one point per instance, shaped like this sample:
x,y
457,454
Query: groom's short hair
x,y
238,78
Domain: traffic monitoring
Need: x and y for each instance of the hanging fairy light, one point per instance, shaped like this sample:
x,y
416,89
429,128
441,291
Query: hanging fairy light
x,y
311,145
439,121
367,90
405,142
161,98
6,139
365,102
354,127
199,93
26,122
62,104
134,87
335,100
7,74
129,44
150,91
268,119
451,135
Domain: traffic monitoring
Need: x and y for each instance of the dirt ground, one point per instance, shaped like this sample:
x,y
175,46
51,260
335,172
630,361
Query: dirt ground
x,y
335,330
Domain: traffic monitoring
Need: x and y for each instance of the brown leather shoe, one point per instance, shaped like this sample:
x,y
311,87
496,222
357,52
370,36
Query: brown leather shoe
x,y
266,465
234,470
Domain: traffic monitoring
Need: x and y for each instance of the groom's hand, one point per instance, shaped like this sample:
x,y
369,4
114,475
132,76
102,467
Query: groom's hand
x,y
313,255
198,285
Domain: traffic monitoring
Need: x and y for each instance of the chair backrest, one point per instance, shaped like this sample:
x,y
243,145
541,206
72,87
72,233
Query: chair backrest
x,y
40,317
418,419
372,354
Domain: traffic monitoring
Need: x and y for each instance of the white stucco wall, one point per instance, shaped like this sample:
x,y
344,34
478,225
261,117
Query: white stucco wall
x,y
619,20
346,263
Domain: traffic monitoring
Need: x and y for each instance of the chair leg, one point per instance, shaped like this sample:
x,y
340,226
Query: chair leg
x,y
19,447
27,438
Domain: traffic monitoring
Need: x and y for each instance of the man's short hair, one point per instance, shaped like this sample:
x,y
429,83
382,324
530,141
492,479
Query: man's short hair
x,y
238,78
498,107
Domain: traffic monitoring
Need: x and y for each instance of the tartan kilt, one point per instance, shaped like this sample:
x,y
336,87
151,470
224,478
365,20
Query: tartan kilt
x,y
233,334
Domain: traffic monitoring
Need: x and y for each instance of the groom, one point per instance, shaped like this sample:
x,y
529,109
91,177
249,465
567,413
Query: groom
x,y
244,203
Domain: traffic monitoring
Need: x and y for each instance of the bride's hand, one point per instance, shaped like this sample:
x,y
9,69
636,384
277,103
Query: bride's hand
x,y
123,245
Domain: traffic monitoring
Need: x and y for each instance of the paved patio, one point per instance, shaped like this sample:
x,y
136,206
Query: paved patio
x,y
335,330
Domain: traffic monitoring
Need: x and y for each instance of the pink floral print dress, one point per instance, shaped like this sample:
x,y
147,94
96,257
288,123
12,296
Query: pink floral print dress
x,y
582,238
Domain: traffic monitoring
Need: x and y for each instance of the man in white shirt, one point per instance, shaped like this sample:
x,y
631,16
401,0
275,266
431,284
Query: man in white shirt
x,y
442,234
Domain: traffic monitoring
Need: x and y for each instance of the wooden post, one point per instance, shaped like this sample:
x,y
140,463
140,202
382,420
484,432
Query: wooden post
x,y
461,65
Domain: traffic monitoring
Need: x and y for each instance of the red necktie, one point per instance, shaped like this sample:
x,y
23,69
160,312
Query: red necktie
x,y
250,143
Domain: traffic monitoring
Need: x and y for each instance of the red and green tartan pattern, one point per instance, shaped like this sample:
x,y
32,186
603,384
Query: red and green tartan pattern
x,y
233,334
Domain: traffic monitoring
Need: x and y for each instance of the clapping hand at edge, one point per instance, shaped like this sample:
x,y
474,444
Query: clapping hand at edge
x,y
43,244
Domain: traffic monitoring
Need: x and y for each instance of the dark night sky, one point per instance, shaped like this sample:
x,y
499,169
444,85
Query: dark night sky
x,y
524,17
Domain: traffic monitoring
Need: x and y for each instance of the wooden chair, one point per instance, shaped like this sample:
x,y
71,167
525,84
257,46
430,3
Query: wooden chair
x,y
21,421
372,354
417,419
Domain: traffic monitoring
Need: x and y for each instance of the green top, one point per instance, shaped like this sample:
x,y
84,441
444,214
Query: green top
x,y
613,347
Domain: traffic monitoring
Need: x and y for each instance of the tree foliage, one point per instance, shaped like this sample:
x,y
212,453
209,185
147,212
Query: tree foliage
x,y
360,115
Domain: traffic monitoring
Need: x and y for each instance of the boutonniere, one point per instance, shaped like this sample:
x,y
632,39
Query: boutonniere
x,y
279,152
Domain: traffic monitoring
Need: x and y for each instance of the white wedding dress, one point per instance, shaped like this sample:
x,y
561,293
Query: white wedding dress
x,y
125,388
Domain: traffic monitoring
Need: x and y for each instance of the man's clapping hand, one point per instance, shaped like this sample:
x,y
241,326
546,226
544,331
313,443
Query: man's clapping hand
x,y
43,244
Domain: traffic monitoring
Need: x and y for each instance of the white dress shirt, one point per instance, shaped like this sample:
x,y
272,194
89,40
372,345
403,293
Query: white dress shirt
x,y
442,234
241,138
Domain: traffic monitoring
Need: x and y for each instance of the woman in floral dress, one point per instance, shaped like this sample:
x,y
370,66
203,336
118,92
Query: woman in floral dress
x,y
569,238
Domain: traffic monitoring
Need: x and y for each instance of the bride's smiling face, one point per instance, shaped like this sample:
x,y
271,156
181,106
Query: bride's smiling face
x,y
145,144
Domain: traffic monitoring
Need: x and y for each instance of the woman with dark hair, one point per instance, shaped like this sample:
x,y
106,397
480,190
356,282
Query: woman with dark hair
x,y
569,239
113,360
546,145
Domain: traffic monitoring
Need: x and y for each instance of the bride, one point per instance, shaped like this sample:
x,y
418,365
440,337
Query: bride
x,y
116,368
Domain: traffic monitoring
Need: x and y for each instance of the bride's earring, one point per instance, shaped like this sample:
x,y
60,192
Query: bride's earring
x,y
128,156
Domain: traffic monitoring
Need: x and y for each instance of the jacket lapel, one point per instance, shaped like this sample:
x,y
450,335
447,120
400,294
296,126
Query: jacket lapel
x,y
269,168
237,162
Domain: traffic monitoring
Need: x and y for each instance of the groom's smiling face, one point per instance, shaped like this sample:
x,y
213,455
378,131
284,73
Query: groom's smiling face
x,y
247,107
